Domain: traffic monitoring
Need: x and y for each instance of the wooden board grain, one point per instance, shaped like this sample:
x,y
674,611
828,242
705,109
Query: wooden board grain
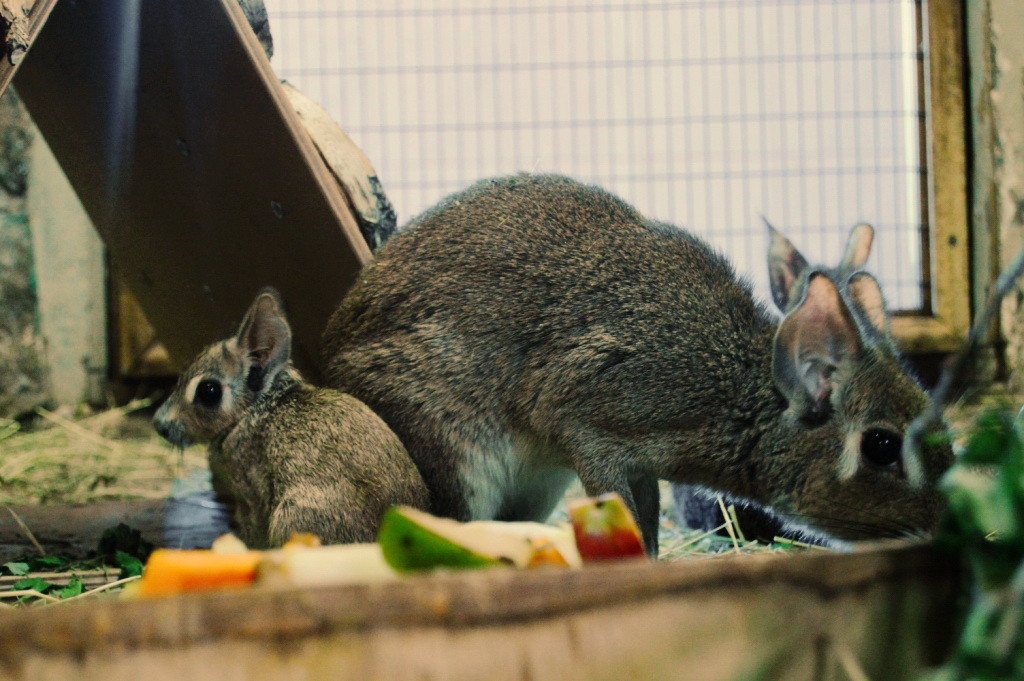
x,y
74,530
350,168
177,137
886,611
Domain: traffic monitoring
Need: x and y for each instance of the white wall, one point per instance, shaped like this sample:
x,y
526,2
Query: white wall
x,y
704,113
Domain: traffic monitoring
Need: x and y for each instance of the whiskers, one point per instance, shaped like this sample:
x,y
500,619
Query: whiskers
x,y
849,522
834,526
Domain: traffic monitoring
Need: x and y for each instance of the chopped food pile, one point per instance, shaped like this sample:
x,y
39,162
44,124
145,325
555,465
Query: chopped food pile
x,y
409,541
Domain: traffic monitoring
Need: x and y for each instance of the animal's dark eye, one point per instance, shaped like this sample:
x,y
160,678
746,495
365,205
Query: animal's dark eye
x,y
208,393
881,448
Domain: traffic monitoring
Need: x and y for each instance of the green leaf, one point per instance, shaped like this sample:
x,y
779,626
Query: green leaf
x,y
48,563
130,565
980,501
17,569
123,538
73,588
33,583
985,522
993,439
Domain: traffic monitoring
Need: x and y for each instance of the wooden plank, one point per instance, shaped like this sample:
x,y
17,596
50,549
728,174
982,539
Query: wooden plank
x,y
773,616
74,530
177,137
349,166
139,352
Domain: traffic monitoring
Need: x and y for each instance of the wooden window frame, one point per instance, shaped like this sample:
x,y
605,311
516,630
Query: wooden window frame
x,y
947,312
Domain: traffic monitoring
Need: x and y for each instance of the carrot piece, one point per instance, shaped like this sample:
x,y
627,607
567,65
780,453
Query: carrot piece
x,y
170,571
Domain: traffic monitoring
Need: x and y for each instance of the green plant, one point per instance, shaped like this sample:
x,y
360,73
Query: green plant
x,y
985,523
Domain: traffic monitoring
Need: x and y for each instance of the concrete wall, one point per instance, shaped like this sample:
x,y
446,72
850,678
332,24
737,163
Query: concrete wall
x,y
996,62
53,312
23,375
70,282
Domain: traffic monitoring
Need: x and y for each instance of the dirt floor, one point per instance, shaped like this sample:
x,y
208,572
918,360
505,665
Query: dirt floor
x,y
65,478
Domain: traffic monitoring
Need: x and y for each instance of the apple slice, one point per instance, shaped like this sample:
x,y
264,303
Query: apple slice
x,y
604,528
553,545
316,566
413,540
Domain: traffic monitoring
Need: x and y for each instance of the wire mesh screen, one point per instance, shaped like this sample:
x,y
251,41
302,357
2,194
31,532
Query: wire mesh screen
x,y
705,113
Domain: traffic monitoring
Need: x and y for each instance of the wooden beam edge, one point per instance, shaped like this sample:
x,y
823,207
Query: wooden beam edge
x,y
10,61
454,599
330,189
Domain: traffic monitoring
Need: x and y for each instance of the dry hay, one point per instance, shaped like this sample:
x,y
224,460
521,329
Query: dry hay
x,y
100,581
677,542
114,454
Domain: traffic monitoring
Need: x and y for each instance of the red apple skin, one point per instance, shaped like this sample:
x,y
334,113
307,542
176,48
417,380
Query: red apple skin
x,y
616,544
604,528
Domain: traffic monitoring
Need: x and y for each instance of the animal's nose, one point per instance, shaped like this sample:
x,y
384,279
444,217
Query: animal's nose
x,y
172,431
163,429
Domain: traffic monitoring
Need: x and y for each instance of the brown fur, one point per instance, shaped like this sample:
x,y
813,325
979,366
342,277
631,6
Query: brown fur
x,y
291,457
532,327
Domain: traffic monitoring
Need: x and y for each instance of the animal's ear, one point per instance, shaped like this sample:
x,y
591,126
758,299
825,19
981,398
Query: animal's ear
x,y
866,294
858,247
264,336
785,265
814,343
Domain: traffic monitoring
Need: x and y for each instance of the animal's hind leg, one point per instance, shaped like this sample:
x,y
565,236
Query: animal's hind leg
x,y
320,514
603,468
647,497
